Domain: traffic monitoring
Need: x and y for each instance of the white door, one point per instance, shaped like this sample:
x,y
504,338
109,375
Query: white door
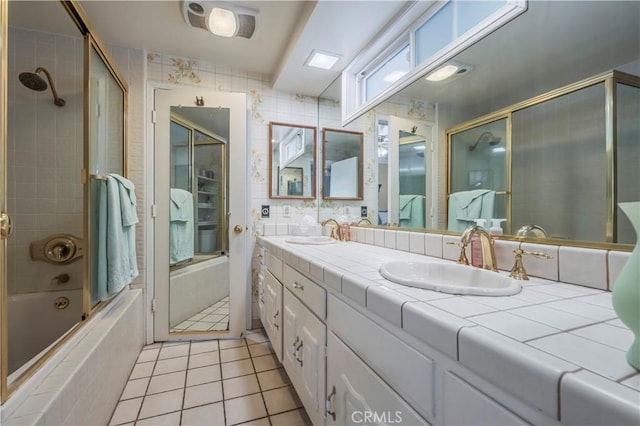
x,y
418,139
193,293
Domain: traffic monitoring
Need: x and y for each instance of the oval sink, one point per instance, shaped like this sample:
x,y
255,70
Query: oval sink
x,y
314,239
450,278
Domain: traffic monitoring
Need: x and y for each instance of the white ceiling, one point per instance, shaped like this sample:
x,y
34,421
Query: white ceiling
x,y
287,32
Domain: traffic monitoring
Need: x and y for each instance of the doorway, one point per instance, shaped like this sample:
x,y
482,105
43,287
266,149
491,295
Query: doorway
x,y
200,240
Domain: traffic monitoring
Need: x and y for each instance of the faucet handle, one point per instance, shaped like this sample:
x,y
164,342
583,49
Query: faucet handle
x,y
517,271
462,258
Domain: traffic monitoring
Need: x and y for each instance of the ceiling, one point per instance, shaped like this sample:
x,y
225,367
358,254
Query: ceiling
x,y
287,32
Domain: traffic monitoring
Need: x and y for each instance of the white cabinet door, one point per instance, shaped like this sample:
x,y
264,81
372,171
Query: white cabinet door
x,y
311,371
303,355
273,312
290,337
356,395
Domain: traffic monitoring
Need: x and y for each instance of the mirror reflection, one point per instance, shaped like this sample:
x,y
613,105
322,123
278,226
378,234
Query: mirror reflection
x,y
291,163
341,164
544,49
197,176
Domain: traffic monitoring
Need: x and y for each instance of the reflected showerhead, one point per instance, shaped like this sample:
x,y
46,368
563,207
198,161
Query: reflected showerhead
x,y
33,81
486,137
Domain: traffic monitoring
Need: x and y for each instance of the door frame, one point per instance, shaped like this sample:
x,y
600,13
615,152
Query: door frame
x,y
238,209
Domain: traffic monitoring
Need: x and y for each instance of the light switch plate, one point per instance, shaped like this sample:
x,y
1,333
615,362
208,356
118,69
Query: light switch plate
x,y
265,211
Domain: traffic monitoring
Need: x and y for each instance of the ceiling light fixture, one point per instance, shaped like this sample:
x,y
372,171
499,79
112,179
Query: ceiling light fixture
x,y
322,60
222,19
442,73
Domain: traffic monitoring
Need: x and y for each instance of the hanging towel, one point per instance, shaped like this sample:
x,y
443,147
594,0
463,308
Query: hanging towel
x,y
122,265
465,206
411,213
180,226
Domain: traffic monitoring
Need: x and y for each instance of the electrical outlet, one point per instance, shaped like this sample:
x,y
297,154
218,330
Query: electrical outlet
x,y
363,211
286,211
265,211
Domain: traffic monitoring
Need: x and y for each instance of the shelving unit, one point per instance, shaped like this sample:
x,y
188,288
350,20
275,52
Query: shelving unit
x,y
206,214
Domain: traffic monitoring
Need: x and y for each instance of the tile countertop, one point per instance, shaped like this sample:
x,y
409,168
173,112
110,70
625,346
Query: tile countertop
x,y
526,343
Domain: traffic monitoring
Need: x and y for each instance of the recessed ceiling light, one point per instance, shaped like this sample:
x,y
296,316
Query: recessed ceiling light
x,y
442,73
394,76
420,147
322,60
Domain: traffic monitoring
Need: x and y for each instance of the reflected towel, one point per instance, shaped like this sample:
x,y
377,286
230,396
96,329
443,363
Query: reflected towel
x,y
466,206
411,213
180,226
122,265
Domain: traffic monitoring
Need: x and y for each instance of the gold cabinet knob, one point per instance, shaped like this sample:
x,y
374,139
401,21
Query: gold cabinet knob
x,y
237,229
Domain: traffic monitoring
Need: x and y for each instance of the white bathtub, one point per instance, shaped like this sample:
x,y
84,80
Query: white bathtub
x,y
35,323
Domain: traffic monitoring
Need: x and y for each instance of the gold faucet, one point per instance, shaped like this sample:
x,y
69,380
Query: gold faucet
x,y
336,234
517,271
363,220
488,253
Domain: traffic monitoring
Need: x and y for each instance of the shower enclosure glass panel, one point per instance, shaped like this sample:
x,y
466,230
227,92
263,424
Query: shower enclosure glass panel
x,y
627,156
559,152
45,147
412,180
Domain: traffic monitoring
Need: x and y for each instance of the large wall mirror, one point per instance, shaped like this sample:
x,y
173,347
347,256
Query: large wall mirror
x,y
292,163
548,47
341,164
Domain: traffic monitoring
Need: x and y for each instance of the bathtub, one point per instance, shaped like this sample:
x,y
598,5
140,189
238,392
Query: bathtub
x,y
35,323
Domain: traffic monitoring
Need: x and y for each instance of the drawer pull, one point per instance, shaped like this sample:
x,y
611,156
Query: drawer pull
x,y
275,318
298,352
329,404
297,285
295,349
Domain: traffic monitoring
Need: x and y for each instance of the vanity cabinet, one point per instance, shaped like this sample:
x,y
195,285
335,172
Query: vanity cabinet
x,y
357,395
272,320
304,355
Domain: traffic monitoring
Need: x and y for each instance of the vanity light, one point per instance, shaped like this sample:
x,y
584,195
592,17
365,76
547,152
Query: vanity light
x,y
322,60
220,18
442,73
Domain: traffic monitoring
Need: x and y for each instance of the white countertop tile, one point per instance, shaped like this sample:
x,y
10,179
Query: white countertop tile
x,y
500,303
461,307
633,382
433,326
552,317
518,328
574,306
565,290
387,303
333,278
529,295
601,299
525,372
594,356
583,395
616,337
423,294
355,288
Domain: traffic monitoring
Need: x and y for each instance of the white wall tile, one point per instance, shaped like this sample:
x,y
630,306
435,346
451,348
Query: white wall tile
x,y
434,245
390,239
583,266
617,260
402,240
416,242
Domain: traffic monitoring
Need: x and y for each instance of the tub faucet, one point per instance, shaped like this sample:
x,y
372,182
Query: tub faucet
x,y
488,253
335,228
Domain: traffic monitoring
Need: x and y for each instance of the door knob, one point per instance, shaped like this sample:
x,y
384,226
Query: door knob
x,y
237,229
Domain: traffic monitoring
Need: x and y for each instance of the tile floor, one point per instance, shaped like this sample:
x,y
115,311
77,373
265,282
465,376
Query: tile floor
x,y
226,382
214,317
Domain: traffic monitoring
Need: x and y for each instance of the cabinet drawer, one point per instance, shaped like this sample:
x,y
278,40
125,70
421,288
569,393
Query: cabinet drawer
x,y
274,265
407,371
356,395
466,405
310,293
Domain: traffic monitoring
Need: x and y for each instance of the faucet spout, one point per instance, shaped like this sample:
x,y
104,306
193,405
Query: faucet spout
x,y
488,252
336,234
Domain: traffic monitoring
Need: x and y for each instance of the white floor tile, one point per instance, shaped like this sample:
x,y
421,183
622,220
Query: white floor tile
x,y
260,349
237,368
290,418
161,403
135,388
234,354
240,386
148,355
273,379
281,399
265,362
126,411
204,359
166,382
200,375
171,419
170,365
204,346
243,409
206,415
202,394
232,343
174,351
142,370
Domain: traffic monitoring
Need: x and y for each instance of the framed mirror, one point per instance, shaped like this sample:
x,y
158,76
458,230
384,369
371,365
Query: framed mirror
x,y
292,166
342,154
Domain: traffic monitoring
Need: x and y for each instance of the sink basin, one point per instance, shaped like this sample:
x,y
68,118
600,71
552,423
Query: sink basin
x,y
315,239
450,278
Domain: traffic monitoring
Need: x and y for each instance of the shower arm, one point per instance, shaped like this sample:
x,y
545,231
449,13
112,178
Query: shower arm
x,y
56,99
483,137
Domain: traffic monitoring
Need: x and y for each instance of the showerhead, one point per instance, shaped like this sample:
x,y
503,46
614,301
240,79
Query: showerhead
x,y
486,137
33,81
